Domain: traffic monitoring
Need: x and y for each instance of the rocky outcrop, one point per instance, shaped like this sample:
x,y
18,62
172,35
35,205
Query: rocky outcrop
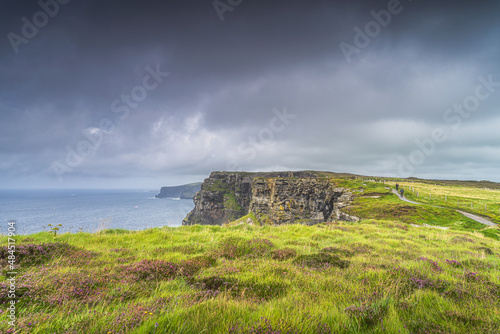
x,y
277,198
187,191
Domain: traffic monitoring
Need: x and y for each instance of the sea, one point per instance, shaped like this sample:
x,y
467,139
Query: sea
x,y
89,210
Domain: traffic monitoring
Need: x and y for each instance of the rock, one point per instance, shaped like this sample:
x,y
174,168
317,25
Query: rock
x,y
278,198
186,191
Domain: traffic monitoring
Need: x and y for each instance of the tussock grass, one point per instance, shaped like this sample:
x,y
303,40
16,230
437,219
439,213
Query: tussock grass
x,y
382,274
369,277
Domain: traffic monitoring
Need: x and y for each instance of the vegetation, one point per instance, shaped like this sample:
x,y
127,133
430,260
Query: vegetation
x,y
386,273
53,229
375,200
483,202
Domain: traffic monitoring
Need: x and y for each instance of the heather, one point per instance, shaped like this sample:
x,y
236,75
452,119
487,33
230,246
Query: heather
x,y
373,276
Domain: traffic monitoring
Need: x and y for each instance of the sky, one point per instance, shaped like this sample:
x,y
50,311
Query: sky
x,y
143,94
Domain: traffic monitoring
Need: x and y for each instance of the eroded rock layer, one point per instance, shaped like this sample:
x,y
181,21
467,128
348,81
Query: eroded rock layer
x,y
278,198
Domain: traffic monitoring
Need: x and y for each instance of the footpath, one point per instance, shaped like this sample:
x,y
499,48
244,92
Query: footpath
x,y
477,218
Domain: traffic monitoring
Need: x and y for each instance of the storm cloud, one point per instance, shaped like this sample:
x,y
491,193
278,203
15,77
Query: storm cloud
x,y
140,94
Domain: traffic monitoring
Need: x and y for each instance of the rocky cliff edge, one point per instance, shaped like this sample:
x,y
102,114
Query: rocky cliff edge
x,y
276,198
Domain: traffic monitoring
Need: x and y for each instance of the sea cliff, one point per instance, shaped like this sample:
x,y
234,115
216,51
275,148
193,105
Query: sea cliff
x,y
186,191
273,198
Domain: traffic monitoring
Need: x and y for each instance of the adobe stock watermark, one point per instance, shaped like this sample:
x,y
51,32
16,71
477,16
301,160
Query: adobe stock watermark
x,y
122,107
454,117
254,144
372,29
222,7
30,28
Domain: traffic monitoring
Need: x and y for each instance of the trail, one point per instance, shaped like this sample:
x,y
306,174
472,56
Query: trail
x,y
404,198
477,218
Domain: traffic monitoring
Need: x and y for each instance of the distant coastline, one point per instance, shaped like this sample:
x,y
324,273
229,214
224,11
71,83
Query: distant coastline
x,y
186,191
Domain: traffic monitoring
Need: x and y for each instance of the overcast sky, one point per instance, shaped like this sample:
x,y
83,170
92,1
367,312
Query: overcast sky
x,y
140,94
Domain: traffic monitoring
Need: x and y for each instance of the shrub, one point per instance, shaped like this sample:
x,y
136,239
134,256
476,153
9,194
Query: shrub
x,y
408,281
192,266
187,249
422,326
149,270
335,250
242,289
476,264
234,247
458,240
454,263
265,326
33,254
486,250
368,315
321,261
359,248
434,265
116,231
283,254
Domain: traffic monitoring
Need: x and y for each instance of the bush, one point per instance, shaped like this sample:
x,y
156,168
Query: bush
x,y
187,249
33,254
322,261
192,266
149,270
335,250
486,250
283,254
242,289
368,315
234,247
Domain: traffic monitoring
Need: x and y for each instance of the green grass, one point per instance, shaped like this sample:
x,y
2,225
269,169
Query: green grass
x,y
469,199
385,274
369,277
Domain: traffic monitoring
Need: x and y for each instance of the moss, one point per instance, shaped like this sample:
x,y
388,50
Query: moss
x,y
230,202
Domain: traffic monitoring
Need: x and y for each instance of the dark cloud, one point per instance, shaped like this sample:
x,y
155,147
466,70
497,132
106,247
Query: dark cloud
x,y
229,80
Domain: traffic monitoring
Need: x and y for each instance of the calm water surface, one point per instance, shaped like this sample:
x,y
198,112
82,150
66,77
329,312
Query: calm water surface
x,y
84,209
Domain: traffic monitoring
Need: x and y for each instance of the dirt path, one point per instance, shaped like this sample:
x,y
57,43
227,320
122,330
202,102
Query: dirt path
x,y
477,218
404,198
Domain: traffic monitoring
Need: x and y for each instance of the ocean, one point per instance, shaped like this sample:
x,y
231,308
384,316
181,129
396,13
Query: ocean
x,y
88,210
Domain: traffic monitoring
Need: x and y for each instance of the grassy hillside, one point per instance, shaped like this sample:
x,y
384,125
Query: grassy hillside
x,y
479,201
382,274
375,200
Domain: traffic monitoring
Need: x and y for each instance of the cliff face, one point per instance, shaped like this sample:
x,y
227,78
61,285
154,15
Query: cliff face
x,y
186,191
278,198
223,197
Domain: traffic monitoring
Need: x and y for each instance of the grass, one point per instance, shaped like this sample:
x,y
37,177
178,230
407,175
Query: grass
x,y
375,200
368,277
387,273
456,197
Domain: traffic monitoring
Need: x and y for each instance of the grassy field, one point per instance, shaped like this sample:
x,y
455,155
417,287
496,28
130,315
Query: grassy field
x,y
479,201
379,275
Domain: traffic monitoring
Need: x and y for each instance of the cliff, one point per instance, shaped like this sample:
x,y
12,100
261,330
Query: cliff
x,y
278,198
186,191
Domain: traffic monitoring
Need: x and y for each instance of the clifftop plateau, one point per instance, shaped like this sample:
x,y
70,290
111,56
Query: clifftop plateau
x,y
274,197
